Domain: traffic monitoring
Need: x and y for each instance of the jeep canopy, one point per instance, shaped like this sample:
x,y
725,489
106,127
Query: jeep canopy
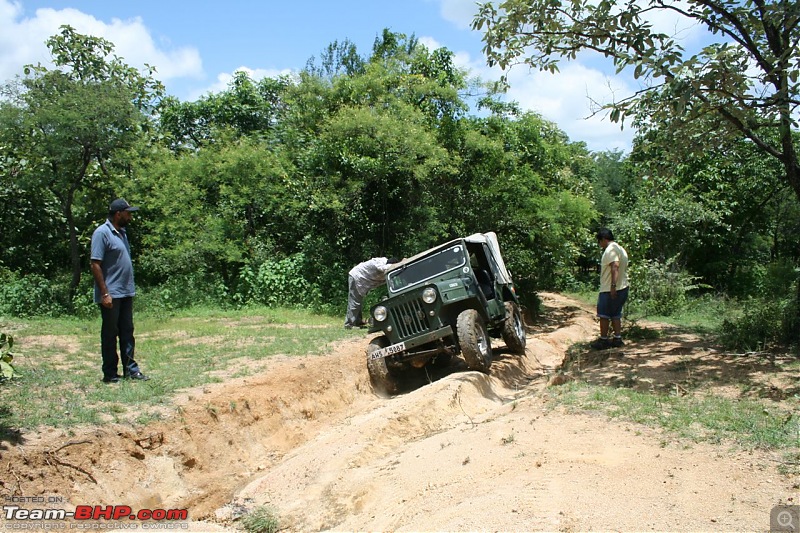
x,y
489,239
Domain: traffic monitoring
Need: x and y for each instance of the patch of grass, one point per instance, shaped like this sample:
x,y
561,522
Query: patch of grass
x,y
790,464
59,361
632,330
749,423
263,519
700,315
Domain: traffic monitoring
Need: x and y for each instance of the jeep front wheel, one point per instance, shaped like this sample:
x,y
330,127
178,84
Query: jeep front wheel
x,y
474,341
385,380
514,329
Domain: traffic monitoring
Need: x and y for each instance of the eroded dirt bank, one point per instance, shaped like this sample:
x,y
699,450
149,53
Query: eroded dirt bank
x,y
466,452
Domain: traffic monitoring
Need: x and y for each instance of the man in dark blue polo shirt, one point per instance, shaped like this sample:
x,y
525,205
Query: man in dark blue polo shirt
x,y
114,290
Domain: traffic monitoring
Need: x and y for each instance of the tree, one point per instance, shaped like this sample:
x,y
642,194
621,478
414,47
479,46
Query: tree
x,y
614,184
236,193
337,59
73,124
748,79
246,107
728,211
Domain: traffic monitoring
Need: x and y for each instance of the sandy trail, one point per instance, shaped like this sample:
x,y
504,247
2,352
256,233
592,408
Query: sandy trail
x,y
465,452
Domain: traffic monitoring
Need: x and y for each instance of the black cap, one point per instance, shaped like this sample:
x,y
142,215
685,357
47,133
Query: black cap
x,y
121,204
604,233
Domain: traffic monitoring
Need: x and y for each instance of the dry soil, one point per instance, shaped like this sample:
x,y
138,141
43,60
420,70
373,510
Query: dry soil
x,y
465,452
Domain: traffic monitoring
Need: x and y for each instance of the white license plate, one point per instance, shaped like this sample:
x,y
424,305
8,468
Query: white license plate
x,y
389,350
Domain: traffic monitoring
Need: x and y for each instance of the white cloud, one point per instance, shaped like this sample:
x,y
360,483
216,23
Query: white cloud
x,y
459,12
224,79
569,98
23,41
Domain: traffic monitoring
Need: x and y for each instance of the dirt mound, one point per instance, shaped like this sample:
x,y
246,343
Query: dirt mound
x,y
465,452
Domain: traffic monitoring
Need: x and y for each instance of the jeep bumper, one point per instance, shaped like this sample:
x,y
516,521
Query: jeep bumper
x,y
406,348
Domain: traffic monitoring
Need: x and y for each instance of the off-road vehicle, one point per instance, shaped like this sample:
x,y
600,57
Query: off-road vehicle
x,y
444,302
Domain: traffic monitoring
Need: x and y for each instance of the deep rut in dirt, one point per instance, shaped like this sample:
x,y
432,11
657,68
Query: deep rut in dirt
x,y
466,452
222,437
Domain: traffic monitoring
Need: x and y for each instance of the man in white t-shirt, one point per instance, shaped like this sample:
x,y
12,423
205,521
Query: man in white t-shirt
x,y
362,278
613,290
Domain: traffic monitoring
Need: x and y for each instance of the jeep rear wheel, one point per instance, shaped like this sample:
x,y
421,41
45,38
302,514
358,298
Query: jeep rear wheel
x,y
474,341
384,378
514,329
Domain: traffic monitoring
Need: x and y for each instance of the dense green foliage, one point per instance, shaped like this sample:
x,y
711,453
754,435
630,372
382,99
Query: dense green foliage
x,y
64,136
712,188
267,193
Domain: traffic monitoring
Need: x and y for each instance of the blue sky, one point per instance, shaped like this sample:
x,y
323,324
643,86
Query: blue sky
x,y
196,46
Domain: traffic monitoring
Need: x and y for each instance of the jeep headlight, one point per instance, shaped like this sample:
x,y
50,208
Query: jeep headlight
x,y
429,295
379,313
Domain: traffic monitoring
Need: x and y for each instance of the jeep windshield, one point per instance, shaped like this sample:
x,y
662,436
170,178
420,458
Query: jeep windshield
x,y
445,260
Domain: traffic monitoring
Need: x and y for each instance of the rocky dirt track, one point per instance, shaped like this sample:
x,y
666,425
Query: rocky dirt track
x,y
466,452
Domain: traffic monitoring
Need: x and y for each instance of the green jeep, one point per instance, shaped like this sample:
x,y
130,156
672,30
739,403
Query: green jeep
x,y
446,301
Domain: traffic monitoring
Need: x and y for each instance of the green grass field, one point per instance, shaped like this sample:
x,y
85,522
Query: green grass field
x,y
59,361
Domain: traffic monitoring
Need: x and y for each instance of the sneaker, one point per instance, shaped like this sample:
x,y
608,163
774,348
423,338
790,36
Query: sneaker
x,y
112,379
601,344
617,342
137,376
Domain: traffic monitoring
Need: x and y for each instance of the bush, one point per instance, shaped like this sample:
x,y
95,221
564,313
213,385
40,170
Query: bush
x,y
83,304
660,288
7,370
182,292
277,283
764,324
31,295
780,277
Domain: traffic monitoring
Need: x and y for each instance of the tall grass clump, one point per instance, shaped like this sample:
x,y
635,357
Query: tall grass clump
x,y
263,519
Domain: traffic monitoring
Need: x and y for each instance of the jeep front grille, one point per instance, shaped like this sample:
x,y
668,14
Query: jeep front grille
x,y
410,318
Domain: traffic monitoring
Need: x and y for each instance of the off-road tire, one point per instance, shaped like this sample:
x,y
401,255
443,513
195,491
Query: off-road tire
x,y
476,347
385,379
514,329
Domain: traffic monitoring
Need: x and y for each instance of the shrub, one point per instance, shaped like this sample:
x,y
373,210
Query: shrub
x,y
7,370
764,324
277,283
31,295
779,278
660,288
182,292
263,519
83,304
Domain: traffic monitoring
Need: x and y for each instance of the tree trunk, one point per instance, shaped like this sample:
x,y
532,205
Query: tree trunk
x,y
74,250
74,247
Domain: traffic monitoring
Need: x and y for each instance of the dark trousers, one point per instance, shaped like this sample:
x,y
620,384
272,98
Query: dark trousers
x,y
118,324
354,303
